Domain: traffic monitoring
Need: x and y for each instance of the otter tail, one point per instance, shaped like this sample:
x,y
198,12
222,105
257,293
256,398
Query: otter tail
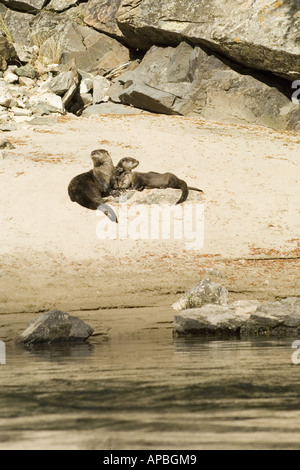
x,y
195,189
185,192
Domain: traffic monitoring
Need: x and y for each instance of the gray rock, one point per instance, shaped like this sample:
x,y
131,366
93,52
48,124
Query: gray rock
x,y
205,292
65,84
101,15
55,327
27,82
61,5
210,320
26,71
192,82
18,26
86,85
275,319
263,35
6,99
21,111
100,89
25,5
245,318
145,97
92,51
11,77
49,101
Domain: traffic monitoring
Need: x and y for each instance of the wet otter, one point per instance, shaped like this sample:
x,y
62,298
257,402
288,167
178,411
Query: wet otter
x,y
140,181
89,188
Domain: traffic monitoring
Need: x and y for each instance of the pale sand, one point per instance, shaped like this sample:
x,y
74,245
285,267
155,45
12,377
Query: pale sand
x,y
51,256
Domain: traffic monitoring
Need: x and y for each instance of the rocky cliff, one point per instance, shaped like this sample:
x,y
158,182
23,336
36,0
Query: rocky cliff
x,y
230,61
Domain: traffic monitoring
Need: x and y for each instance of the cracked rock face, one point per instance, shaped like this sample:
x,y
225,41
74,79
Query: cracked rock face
x,y
263,34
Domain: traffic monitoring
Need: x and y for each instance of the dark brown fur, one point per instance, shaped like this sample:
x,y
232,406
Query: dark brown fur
x,y
140,181
89,188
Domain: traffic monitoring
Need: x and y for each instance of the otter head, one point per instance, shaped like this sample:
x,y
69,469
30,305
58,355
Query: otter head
x,y
126,164
100,156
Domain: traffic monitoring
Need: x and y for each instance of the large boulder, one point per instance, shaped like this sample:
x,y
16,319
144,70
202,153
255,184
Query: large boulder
x,y
263,34
55,327
25,5
191,81
62,40
17,26
214,319
101,15
246,318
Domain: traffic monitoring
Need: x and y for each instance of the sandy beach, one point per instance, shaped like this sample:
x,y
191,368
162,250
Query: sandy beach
x,y
51,256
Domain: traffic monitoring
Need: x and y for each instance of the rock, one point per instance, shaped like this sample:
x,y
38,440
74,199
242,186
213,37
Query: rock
x,y
92,51
26,71
11,77
209,320
84,100
6,144
189,81
26,53
148,98
100,88
101,15
55,327
86,85
262,35
274,319
205,292
245,318
7,127
61,5
6,99
7,51
48,101
26,5
18,27
27,82
65,84
21,111
110,108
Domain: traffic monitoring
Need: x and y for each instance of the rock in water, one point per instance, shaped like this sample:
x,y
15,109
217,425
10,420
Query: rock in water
x,y
210,320
274,319
206,292
56,327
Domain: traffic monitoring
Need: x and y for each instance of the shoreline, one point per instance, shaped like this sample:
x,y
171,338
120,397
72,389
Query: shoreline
x,y
50,256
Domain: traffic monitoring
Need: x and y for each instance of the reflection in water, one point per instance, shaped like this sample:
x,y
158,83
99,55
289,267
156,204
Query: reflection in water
x,y
59,352
151,391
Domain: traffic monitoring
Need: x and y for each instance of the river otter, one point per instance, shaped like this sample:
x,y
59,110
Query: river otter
x,y
140,181
88,189
125,165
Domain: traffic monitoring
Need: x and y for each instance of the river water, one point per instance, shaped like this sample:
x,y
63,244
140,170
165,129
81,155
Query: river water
x,y
151,391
